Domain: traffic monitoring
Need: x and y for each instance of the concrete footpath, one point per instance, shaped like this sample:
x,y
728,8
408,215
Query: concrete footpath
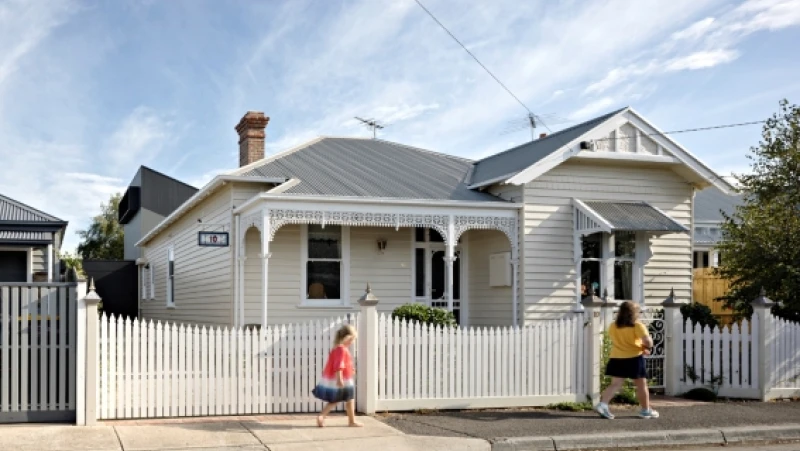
x,y
273,433
682,423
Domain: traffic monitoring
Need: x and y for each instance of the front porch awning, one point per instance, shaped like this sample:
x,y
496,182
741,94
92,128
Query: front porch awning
x,y
29,238
609,217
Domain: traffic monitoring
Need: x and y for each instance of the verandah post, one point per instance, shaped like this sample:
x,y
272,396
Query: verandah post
x,y
673,358
594,308
761,312
367,372
87,358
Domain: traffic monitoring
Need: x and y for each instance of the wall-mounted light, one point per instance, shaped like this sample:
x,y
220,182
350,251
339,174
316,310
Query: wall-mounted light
x,y
381,245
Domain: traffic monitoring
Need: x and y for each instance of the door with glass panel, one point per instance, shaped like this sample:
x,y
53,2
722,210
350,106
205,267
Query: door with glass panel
x,y
430,271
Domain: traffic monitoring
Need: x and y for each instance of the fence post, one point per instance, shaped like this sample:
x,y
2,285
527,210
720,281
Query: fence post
x,y
761,310
673,356
594,307
367,376
87,359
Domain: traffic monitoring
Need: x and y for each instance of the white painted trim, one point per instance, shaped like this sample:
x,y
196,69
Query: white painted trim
x,y
464,276
344,274
592,214
152,291
291,183
316,201
216,183
30,265
626,156
50,262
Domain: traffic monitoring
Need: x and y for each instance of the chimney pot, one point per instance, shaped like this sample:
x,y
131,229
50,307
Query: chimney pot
x,y
542,135
251,137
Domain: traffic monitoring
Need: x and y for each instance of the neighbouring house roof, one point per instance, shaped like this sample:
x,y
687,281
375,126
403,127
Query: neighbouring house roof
x,y
635,216
506,164
711,202
14,211
23,224
357,167
702,238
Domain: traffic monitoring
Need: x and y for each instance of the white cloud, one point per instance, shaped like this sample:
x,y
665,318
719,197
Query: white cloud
x,y
592,109
701,60
695,30
139,138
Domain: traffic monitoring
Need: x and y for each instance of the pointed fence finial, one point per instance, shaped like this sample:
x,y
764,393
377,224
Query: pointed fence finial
x,y
670,300
762,299
368,298
91,284
605,294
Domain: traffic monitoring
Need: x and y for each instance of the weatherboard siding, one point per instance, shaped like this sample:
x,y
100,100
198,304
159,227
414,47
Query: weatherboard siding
x,y
203,275
488,306
549,280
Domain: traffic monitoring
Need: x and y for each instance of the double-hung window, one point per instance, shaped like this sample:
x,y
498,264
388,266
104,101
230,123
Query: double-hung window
x,y
171,278
609,263
325,265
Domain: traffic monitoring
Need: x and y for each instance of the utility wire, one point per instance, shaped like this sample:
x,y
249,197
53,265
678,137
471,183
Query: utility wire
x,y
713,127
481,64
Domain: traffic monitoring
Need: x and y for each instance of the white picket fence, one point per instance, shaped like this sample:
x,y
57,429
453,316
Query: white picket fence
x,y
723,358
152,369
424,366
784,349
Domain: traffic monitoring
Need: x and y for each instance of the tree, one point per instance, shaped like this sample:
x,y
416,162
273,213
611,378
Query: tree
x,y
761,240
72,262
105,237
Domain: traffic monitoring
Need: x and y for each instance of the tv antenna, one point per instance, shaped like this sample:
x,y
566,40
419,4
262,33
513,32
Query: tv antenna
x,y
373,124
532,121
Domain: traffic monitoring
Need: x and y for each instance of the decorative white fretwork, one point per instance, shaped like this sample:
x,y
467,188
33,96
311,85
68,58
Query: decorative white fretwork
x,y
281,217
504,224
254,220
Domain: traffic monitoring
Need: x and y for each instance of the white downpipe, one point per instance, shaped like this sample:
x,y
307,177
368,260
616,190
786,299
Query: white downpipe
x,y
237,308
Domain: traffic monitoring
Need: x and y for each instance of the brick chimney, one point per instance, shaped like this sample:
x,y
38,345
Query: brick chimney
x,y
251,137
542,135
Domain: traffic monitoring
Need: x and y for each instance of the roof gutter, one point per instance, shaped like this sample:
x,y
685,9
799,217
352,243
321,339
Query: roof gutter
x,y
379,200
206,191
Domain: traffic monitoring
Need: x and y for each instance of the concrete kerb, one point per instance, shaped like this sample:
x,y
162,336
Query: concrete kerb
x,y
672,438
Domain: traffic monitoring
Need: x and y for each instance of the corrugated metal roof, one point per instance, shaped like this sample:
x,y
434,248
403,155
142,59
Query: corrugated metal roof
x,y
709,203
8,235
11,210
635,216
372,168
513,161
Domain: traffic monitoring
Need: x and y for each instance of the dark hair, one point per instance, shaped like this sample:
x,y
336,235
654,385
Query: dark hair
x,y
628,314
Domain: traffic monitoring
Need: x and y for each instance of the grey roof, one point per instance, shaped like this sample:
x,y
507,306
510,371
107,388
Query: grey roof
x,y
704,238
513,161
13,211
709,203
635,216
24,236
353,167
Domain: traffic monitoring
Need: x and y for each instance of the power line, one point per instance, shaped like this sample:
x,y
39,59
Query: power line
x,y
531,115
674,132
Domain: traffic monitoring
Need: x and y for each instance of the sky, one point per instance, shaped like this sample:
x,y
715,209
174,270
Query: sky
x,y
89,91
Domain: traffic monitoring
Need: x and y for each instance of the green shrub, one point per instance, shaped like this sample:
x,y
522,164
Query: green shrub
x,y
700,394
425,315
699,314
572,406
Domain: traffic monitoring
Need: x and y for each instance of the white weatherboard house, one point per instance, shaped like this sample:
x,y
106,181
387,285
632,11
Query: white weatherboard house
x,y
601,207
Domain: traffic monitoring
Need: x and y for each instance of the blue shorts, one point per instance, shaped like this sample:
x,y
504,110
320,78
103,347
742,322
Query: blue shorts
x,y
632,368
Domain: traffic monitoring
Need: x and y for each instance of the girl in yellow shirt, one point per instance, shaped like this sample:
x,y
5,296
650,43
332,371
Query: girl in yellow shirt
x,y
630,342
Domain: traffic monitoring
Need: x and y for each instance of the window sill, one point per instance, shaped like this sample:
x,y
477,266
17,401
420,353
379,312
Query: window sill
x,y
325,306
170,306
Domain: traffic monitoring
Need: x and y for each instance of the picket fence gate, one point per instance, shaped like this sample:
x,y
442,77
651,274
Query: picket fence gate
x,y
784,361
721,358
152,369
423,366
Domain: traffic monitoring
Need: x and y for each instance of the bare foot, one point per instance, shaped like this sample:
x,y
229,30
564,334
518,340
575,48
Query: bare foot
x,y
320,421
356,424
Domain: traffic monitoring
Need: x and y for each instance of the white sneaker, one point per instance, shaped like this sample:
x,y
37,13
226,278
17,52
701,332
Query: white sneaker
x,y
648,413
602,409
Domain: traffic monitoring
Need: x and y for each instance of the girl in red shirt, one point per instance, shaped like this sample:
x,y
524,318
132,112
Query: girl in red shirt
x,y
338,378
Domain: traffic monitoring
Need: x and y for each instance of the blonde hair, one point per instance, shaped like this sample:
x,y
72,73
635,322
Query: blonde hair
x,y
343,333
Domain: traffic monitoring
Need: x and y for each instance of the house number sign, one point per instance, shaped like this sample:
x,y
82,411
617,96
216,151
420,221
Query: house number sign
x,y
213,239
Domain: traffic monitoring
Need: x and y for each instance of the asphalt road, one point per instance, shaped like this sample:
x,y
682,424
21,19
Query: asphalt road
x,y
491,424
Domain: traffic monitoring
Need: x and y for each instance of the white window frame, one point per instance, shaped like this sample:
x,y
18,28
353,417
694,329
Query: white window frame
x,y
344,272
144,270
607,260
152,282
170,295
